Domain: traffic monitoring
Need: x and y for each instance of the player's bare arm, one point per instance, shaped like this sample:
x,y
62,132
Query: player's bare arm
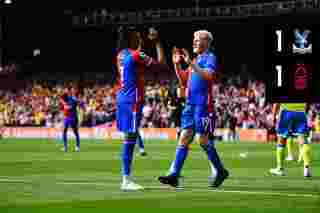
x,y
181,75
275,108
154,36
275,111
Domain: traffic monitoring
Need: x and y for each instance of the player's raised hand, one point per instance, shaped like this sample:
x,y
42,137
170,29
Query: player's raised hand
x,y
176,55
153,35
275,120
186,56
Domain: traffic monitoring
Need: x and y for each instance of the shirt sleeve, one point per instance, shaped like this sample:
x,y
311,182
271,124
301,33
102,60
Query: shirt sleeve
x,y
209,63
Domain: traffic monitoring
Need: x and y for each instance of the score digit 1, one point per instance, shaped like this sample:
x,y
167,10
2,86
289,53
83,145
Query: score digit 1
x,y
279,40
279,75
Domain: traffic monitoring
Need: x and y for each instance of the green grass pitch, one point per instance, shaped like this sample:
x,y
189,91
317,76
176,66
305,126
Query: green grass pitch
x,y
36,176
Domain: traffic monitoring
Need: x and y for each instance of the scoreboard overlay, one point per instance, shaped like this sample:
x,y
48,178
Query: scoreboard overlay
x,y
291,63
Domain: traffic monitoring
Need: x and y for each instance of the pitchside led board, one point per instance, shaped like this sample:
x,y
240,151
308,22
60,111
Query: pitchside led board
x,y
291,64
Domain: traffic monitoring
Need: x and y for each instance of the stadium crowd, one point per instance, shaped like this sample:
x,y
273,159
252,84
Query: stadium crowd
x,y
38,105
7,69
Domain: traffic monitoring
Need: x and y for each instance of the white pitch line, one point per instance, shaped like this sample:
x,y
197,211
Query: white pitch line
x,y
270,193
206,190
7,180
83,183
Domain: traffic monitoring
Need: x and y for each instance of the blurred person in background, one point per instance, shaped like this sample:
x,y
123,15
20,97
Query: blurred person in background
x,y
232,133
176,106
69,104
164,116
2,117
39,116
147,113
292,122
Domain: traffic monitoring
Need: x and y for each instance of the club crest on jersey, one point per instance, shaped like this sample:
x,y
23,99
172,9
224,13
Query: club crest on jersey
x,y
142,55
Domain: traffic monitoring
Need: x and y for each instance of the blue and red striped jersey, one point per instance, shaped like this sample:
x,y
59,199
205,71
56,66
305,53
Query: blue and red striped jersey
x,y
131,66
199,90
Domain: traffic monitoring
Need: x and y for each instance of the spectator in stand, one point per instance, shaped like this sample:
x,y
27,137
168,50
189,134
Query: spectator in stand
x,y
164,116
147,113
232,134
39,116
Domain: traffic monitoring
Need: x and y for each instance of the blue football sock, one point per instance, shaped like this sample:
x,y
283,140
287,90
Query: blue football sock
x,y
140,142
65,140
127,155
76,133
211,142
181,155
213,155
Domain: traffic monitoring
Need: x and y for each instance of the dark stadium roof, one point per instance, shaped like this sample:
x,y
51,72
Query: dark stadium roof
x,y
125,5
142,4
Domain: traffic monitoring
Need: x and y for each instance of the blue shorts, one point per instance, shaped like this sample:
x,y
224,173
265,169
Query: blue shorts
x,y
196,117
129,117
292,124
70,121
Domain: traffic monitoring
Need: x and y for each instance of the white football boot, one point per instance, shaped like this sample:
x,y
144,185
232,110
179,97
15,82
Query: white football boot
x,y
307,172
277,172
128,185
289,158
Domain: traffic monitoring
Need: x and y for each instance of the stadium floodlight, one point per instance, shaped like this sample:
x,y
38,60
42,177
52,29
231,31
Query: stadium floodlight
x,y
36,52
7,1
